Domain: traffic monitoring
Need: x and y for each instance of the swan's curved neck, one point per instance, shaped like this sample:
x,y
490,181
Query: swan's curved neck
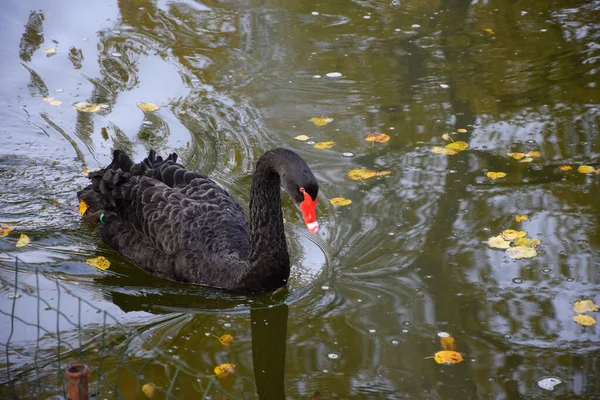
x,y
269,261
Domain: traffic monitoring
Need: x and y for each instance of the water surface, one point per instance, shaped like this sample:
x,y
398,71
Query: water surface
x,y
387,274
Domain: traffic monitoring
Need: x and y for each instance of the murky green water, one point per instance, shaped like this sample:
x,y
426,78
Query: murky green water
x,y
386,274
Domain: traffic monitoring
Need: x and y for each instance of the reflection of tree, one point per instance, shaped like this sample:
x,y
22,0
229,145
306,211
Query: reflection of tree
x,y
33,36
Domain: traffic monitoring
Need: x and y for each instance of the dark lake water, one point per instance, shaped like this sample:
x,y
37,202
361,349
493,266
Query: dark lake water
x,y
387,275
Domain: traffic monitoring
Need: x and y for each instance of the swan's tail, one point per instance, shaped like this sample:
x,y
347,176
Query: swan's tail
x,y
109,185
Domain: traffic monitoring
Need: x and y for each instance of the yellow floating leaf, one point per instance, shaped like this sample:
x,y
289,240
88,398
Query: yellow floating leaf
x,y
224,370
377,137
534,154
584,320
321,121
447,137
565,168
498,242
324,145
148,107
495,175
448,357
5,230
48,99
358,174
511,234
225,339
526,160
51,50
490,31
448,343
302,138
148,389
458,146
84,106
461,130
55,103
85,172
443,150
521,252
520,218
585,169
583,306
23,240
516,156
100,263
523,241
83,206
340,201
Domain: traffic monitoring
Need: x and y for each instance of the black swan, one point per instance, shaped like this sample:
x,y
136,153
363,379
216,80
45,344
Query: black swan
x,y
180,225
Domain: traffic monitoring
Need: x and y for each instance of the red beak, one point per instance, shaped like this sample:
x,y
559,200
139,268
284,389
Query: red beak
x,y
309,212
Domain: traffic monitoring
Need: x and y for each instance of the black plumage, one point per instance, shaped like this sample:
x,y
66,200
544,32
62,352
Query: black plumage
x,y
180,225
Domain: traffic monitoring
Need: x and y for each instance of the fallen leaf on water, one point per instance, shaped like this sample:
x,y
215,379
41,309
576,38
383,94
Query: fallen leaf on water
x,y
148,107
358,174
458,145
448,343
447,137
565,167
523,241
321,121
461,130
585,169
100,263
316,396
225,340
84,106
520,218
148,389
48,99
51,50
584,320
377,137
518,252
340,201
23,240
324,145
498,242
526,160
511,234
495,175
302,138
443,150
549,383
448,357
5,230
85,171
534,154
83,206
490,31
55,103
583,306
516,156
224,370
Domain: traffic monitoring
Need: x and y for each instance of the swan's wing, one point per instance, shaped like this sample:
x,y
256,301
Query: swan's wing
x,y
199,216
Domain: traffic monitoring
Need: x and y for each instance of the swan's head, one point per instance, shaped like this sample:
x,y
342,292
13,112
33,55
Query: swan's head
x,y
299,181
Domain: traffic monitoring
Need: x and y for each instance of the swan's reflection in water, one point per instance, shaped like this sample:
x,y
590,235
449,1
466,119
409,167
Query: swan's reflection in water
x,y
268,329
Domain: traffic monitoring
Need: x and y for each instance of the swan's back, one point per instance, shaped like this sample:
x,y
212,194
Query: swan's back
x,y
171,222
